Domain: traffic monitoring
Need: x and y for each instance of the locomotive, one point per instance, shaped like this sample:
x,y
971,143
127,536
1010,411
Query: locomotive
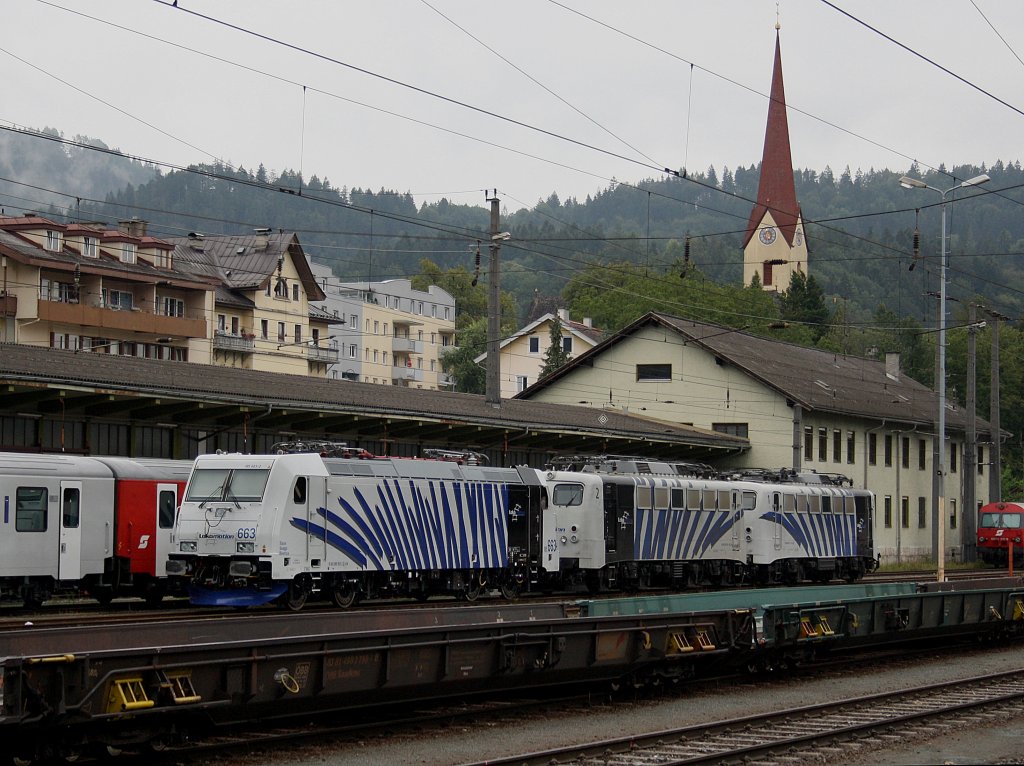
x,y
99,525
1000,530
257,528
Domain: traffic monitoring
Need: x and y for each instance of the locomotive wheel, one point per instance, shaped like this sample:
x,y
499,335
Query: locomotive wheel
x,y
510,591
344,595
473,591
295,598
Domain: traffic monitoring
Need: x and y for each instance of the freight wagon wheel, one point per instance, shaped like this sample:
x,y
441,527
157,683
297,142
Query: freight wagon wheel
x,y
344,595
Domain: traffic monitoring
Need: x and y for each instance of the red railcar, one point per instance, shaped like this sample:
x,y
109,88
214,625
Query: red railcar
x,y
1000,528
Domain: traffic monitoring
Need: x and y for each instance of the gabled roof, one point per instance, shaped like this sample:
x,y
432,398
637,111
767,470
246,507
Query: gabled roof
x,y
817,380
245,262
578,329
776,190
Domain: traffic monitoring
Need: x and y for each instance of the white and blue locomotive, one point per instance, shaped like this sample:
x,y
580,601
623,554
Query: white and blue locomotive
x,y
255,528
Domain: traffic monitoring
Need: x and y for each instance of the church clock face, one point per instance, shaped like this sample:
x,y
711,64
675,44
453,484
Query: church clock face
x,y
767,235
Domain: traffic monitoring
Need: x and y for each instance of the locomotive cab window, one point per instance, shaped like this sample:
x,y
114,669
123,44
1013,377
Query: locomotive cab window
x,y
567,494
69,508
232,485
1000,520
30,509
748,501
299,491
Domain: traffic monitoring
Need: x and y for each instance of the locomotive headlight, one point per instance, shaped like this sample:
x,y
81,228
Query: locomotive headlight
x,y
574,539
248,547
189,546
981,539
1016,539
562,540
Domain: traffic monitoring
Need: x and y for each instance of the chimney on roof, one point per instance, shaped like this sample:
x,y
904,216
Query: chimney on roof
x,y
563,315
133,227
588,322
195,241
263,238
892,365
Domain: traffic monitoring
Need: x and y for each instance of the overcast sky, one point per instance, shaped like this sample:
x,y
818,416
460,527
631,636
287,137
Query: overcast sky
x,y
165,84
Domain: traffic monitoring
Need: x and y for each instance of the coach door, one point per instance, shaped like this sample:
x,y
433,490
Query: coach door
x,y
166,508
69,565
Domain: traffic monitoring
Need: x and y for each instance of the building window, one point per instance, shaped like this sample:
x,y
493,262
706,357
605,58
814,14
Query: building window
x,y
733,429
433,339
281,337
922,513
654,372
174,307
952,513
920,454
281,288
808,443
822,445
837,446
298,333
872,449
129,253
534,345
295,291
316,336
888,511
90,247
264,329
888,450
118,300
234,325
905,447
567,344
521,383
905,512
54,241
851,446
981,460
447,313
353,352
376,327
433,311
952,457
419,335
222,323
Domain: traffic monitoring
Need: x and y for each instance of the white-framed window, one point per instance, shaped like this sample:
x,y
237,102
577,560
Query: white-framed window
x,y
119,300
353,351
52,290
567,344
281,338
521,383
447,312
295,291
54,241
298,333
234,325
353,322
91,247
281,288
173,307
129,252
222,323
433,310
264,329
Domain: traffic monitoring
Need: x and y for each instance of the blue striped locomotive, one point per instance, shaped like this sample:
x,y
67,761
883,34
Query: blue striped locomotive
x,y
255,528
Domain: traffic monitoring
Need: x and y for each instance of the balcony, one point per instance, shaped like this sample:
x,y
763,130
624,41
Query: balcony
x,y
223,341
445,379
404,345
135,320
407,374
8,305
324,354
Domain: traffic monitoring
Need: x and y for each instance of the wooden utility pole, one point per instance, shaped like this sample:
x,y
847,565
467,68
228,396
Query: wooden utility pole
x,y
493,382
967,513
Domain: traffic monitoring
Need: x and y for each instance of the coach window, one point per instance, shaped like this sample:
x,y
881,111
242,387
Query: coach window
x,y
568,494
165,508
299,493
30,509
70,508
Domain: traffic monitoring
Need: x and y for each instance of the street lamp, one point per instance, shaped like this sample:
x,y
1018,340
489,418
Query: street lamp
x,y
940,523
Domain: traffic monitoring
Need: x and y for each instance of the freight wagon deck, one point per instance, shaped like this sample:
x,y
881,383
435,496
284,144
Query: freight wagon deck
x,y
121,685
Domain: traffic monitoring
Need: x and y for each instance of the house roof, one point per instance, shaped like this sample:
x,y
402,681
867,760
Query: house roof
x,y
54,380
578,329
817,380
245,262
776,190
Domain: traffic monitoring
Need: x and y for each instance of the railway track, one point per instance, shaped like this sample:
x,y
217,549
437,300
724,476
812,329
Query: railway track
x,y
802,734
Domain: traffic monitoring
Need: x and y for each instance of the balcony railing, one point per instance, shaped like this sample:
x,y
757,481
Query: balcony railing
x,y
407,373
223,341
403,345
136,320
323,354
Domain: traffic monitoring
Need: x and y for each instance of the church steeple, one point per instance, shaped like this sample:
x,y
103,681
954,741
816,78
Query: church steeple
x,y
772,257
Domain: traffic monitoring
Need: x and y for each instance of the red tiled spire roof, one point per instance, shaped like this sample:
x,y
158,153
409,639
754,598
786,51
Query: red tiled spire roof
x,y
776,191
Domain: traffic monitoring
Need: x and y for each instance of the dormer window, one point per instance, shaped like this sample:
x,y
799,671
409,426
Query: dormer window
x,y
54,241
129,252
91,247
